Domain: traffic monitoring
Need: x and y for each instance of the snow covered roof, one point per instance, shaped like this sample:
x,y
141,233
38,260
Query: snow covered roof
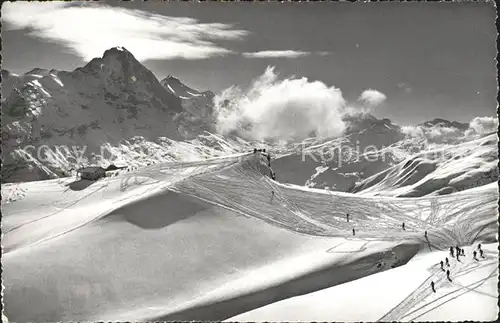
x,y
89,169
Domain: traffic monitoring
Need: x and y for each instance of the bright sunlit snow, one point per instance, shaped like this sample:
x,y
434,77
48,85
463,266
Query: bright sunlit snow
x,y
275,174
179,214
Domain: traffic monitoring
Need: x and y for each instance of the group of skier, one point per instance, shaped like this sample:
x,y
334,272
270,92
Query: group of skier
x,y
453,250
474,253
456,251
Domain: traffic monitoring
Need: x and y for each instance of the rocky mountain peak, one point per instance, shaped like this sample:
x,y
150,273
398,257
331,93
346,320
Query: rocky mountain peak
x,y
118,53
438,122
39,71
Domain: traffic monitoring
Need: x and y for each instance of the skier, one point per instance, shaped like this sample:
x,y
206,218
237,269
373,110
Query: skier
x,y
425,234
474,255
404,226
458,250
451,252
255,150
347,216
479,247
268,160
463,252
353,231
481,253
442,266
447,262
432,286
448,275
458,256
272,195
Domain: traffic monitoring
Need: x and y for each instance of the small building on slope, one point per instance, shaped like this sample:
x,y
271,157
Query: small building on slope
x,y
91,173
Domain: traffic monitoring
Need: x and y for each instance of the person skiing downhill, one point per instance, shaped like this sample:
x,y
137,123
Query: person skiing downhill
x,y
347,216
442,265
451,252
353,231
448,275
404,226
479,247
481,253
457,250
447,262
432,286
463,252
425,234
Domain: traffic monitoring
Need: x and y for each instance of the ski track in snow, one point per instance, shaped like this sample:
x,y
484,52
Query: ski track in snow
x,y
457,269
313,214
162,175
446,218
449,219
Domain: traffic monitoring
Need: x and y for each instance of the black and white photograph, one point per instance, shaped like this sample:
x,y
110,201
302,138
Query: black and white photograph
x,y
249,161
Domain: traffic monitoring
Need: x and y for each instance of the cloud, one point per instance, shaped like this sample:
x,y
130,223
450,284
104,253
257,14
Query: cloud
x,y
274,109
372,97
482,125
276,54
440,134
88,29
435,134
413,131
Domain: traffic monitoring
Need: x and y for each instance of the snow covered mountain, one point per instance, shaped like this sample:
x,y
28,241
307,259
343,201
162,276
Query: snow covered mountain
x,y
197,107
111,99
339,163
439,171
185,183
372,149
115,110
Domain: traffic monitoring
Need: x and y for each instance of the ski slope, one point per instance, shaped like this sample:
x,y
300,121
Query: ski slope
x,y
207,240
402,294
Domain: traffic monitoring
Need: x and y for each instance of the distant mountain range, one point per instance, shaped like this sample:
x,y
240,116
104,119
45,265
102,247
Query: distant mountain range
x,y
115,109
440,156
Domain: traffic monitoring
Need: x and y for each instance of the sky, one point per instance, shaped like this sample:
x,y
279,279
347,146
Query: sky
x,y
411,61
